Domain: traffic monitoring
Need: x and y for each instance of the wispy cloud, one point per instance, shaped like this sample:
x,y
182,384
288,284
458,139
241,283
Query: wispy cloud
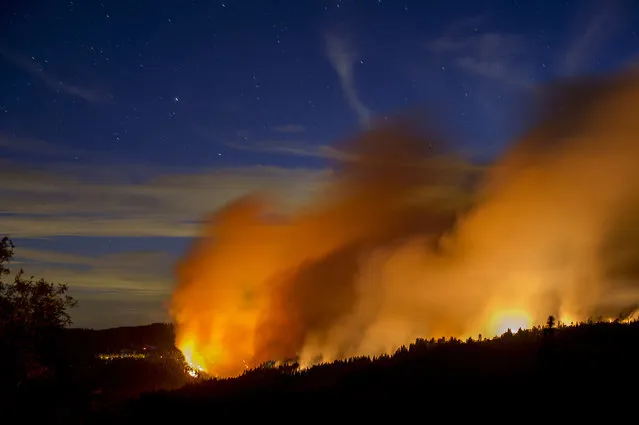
x,y
34,146
100,201
34,68
342,57
136,271
290,128
124,201
589,38
294,148
113,289
490,55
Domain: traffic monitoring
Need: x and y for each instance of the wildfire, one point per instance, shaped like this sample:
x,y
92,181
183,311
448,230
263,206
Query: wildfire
x,y
514,320
567,320
193,358
401,243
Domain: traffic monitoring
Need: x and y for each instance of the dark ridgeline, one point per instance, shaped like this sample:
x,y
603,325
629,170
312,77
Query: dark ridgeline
x,y
55,375
97,368
531,372
159,335
48,371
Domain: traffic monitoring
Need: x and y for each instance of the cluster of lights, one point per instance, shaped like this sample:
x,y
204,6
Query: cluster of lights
x,y
116,356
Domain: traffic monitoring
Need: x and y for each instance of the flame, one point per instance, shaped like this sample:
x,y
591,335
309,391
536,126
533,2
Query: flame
x,y
195,360
407,239
512,319
567,320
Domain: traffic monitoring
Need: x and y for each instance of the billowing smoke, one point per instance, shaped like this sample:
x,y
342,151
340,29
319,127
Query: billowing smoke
x,y
410,240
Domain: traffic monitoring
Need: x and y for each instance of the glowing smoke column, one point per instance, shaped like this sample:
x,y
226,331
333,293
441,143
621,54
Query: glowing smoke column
x,y
555,197
390,251
252,290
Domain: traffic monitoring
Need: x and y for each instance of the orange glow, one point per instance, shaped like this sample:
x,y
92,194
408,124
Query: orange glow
x,y
510,319
567,320
403,243
195,360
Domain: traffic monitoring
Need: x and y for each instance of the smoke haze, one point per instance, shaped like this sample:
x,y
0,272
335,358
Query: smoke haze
x,y
411,240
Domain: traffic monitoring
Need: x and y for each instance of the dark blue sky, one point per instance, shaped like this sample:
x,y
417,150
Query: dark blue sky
x,y
123,123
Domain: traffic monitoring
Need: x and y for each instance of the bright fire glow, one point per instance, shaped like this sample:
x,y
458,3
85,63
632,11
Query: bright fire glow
x,y
567,320
510,319
193,360
403,240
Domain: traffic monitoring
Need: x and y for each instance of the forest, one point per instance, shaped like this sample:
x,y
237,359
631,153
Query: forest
x,y
57,374
552,363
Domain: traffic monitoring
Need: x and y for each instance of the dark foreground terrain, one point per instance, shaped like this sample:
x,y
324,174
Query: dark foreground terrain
x,y
135,376
85,370
578,370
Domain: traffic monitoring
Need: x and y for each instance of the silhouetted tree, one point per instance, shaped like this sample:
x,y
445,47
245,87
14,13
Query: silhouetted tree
x,y
32,314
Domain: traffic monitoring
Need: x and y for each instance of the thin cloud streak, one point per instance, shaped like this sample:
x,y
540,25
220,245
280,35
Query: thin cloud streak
x,y
91,201
290,128
294,148
34,146
112,289
600,27
53,83
343,59
489,55
146,272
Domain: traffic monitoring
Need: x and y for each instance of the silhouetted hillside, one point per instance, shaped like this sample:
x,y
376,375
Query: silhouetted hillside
x,y
91,369
521,369
159,335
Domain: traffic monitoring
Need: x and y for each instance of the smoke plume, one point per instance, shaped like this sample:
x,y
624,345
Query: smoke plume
x,y
412,240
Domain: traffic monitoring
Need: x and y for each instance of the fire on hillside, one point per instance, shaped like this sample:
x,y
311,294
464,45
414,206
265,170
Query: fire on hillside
x,y
407,238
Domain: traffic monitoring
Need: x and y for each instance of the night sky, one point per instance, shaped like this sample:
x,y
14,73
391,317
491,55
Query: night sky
x,y
122,124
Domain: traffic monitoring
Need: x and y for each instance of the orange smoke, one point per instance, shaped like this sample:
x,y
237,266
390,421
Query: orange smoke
x,y
403,243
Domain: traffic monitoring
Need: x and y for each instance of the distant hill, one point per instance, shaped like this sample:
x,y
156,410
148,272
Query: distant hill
x,y
91,341
533,372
